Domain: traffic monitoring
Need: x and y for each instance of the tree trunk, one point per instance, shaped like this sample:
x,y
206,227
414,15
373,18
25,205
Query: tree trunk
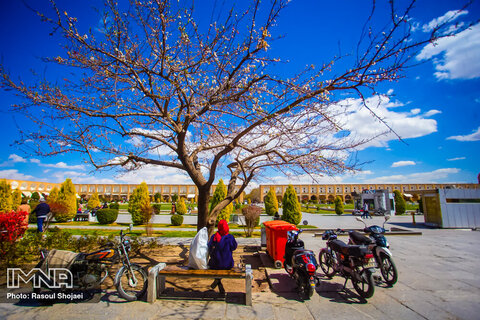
x,y
203,195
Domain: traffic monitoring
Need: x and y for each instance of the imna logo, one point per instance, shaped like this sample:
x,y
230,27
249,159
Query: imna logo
x,y
55,278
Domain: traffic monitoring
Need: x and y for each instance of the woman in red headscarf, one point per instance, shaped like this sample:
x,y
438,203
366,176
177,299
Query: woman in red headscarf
x,y
220,247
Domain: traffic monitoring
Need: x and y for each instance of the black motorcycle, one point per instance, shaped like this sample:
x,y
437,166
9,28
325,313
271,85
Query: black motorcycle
x,y
300,264
380,248
353,262
89,270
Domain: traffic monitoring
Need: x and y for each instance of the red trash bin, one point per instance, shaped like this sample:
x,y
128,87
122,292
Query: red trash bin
x,y
277,238
269,234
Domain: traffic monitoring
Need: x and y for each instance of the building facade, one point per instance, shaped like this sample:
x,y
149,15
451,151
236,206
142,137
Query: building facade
x,y
328,192
112,191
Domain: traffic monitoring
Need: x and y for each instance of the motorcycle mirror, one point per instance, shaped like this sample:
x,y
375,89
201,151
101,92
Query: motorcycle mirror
x,y
387,218
361,220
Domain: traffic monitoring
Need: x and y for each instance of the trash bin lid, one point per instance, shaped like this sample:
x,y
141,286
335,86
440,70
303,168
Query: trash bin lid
x,y
271,224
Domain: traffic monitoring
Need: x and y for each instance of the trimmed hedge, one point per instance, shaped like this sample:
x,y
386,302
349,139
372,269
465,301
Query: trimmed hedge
x,y
156,208
114,205
107,216
177,220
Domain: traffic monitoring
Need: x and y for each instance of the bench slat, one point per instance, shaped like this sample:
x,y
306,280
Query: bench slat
x,y
202,273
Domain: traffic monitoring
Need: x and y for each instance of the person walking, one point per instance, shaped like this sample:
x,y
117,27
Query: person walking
x,y
366,214
220,247
41,210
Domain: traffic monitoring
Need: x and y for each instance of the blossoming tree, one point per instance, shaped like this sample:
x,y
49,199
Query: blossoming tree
x,y
156,87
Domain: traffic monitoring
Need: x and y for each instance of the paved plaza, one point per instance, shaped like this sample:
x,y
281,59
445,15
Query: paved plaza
x,y
438,279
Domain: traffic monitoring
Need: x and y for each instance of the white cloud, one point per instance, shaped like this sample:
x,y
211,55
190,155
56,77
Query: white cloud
x,y
35,161
431,113
456,159
155,175
475,136
390,92
403,163
448,17
458,55
15,158
435,176
415,111
63,165
364,126
13,174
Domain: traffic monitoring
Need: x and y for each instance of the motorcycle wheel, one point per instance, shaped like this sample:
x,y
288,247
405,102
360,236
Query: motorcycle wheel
x,y
366,286
388,269
308,288
327,262
124,286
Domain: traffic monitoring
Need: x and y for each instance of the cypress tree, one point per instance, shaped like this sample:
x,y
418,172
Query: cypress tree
x,y
16,199
93,202
5,197
400,204
67,197
139,205
338,206
181,207
271,202
291,207
53,196
219,195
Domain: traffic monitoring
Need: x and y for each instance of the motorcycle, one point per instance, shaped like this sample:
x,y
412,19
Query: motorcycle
x,y
380,248
353,262
300,264
89,270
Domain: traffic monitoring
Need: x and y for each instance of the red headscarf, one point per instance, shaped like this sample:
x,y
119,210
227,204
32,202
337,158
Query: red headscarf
x,y
223,230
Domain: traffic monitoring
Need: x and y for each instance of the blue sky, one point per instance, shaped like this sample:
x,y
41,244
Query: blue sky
x,y
435,108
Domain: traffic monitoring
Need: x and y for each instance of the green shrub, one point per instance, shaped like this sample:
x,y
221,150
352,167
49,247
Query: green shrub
x,y
181,207
114,205
157,207
271,202
291,207
338,206
107,216
400,204
177,220
35,196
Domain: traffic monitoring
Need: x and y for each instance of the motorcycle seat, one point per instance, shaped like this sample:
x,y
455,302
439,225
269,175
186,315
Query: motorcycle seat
x,y
302,251
350,250
359,238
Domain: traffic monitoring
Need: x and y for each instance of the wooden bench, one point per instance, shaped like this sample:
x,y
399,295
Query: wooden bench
x,y
81,217
157,275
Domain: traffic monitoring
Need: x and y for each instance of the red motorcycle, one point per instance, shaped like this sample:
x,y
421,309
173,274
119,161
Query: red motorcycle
x,y
300,264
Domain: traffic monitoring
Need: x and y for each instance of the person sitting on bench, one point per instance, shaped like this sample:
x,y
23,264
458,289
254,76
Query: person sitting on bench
x,y
220,247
